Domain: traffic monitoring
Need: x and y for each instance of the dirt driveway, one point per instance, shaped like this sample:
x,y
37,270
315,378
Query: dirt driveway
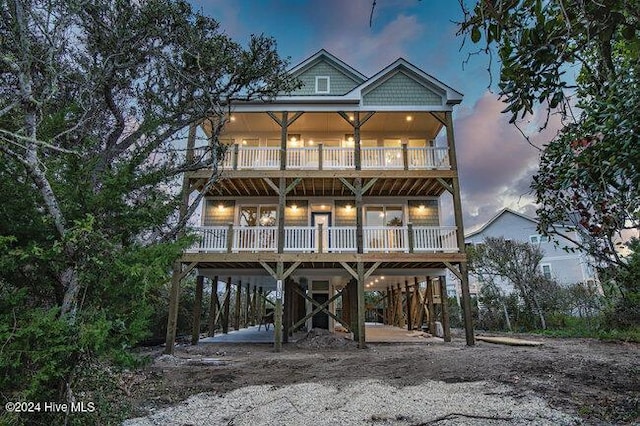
x,y
564,381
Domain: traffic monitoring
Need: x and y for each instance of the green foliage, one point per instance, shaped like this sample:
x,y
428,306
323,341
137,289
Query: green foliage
x,y
589,179
96,97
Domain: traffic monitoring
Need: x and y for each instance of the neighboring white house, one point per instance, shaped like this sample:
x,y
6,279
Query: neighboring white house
x,y
564,266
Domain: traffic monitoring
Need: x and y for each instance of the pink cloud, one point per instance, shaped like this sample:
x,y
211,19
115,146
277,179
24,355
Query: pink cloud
x,y
496,163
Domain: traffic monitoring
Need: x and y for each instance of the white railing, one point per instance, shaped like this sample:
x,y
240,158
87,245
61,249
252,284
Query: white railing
x,y
333,158
212,239
250,157
382,158
338,158
385,238
342,239
299,239
255,238
335,239
435,238
302,158
429,158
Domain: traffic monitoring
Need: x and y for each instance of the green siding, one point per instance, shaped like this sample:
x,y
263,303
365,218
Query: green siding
x,y
339,83
428,216
297,217
344,216
213,216
401,90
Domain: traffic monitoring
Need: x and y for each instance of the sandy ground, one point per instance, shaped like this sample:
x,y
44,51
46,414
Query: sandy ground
x,y
562,382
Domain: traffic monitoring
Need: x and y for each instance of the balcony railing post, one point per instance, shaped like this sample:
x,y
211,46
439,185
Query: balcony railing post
x,y
234,160
229,237
320,159
410,236
320,239
405,156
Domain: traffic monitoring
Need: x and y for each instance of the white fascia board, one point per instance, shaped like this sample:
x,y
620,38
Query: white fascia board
x,y
333,107
339,63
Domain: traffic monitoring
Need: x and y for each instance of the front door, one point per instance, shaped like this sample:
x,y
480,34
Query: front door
x,y
325,220
321,319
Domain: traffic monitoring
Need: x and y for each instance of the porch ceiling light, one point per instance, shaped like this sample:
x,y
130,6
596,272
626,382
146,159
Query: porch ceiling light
x,y
294,206
310,142
232,118
348,207
220,206
421,206
244,141
409,118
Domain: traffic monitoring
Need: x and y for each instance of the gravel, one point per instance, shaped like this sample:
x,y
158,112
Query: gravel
x,y
366,402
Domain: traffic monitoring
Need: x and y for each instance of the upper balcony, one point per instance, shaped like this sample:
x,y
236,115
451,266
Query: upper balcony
x,y
332,239
318,157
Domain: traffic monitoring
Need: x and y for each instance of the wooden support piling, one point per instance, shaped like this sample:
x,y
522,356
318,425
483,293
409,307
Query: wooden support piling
x,y
213,307
408,304
445,309
238,306
247,307
225,312
400,309
430,305
197,310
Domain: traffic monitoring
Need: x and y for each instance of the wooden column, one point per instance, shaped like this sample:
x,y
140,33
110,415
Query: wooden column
x,y
225,311
346,304
213,305
174,300
261,305
238,307
409,307
457,209
254,306
400,308
247,307
286,323
197,310
277,313
361,305
353,308
445,309
419,310
431,307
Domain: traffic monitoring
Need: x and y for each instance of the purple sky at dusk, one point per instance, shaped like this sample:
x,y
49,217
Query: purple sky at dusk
x,y
495,161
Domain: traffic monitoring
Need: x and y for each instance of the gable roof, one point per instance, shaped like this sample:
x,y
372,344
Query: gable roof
x,y
498,215
427,80
322,54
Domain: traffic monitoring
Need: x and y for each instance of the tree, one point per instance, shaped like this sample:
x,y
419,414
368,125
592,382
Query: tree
x,y
518,264
94,102
589,176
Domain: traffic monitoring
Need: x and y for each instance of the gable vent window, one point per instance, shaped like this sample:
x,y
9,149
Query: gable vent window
x,y
322,84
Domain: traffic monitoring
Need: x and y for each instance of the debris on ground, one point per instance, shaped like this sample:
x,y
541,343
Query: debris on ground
x,y
508,341
321,338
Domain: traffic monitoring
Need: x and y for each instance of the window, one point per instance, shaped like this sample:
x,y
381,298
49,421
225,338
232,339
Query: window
x,y
384,216
537,239
258,216
322,84
546,270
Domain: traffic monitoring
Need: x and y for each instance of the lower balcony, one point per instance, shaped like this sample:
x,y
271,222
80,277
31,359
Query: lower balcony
x,y
333,239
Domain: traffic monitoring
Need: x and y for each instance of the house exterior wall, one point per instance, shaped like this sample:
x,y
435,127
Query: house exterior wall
x,y
339,83
424,212
567,268
401,89
215,216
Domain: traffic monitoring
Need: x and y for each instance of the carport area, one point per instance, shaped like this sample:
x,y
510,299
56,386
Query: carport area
x,y
375,333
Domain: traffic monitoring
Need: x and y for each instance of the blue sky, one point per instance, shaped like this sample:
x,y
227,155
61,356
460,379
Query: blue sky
x,y
495,161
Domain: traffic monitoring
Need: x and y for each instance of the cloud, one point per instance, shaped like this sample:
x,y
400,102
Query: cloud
x,y
495,161
343,29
